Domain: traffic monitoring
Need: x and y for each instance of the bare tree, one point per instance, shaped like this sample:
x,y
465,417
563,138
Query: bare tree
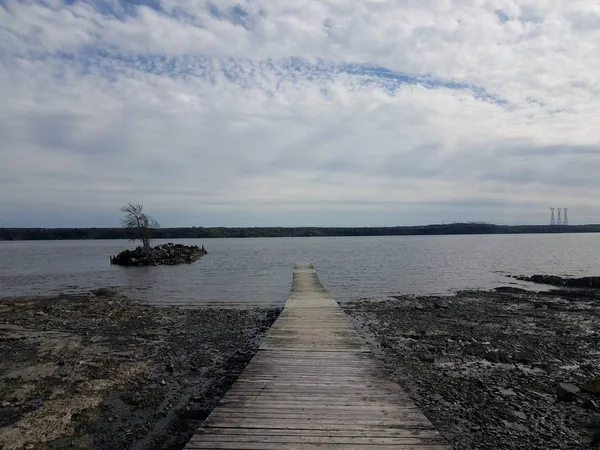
x,y
140,225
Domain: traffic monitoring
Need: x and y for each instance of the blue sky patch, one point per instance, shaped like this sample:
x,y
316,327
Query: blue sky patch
x,y
236,14
502,16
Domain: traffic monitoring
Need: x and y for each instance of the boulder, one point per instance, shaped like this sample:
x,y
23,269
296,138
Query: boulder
x,y
567,392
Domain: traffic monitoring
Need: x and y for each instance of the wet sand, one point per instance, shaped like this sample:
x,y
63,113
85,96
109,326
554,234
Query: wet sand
x,y
484,366
101,371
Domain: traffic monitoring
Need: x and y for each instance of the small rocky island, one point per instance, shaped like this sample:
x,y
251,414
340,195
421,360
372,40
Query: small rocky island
x,y
142,227
167,254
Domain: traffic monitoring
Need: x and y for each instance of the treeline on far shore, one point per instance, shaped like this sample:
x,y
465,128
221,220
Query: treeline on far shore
x,y
12,234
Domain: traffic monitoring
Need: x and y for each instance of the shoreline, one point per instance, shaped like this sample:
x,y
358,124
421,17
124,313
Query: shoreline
x,y
453,229
484,366
99,370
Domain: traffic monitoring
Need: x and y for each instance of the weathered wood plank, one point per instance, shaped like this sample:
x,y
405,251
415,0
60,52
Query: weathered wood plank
x,y
321,416
314,384
316,423
316,439
304,446
402,433
326,408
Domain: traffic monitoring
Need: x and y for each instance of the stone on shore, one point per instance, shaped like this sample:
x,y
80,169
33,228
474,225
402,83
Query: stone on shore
x,y
567,392
553,280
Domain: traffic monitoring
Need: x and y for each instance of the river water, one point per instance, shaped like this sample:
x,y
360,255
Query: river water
x,y
249,272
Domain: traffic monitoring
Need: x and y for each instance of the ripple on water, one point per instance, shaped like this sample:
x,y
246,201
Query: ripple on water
x,y
257,272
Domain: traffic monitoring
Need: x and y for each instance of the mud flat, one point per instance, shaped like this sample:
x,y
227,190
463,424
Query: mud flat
x,y
101,371
486,367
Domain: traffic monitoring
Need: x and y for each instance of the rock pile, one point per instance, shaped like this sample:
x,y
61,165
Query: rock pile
x,y
166,254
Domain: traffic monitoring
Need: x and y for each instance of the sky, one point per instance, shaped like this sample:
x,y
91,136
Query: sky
x,y
311,113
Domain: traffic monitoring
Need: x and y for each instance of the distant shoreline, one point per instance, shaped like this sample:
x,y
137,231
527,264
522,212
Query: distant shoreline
x,y
18,234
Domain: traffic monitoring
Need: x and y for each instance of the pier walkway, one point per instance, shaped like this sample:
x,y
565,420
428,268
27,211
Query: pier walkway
x,y
314,384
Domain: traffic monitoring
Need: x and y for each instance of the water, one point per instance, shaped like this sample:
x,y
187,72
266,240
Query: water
x,y
248,272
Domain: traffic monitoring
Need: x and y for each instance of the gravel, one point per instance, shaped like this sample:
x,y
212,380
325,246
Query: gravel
x,y
99,371
486,367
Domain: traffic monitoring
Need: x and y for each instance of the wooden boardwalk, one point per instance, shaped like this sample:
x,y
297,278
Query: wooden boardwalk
x,y
314,384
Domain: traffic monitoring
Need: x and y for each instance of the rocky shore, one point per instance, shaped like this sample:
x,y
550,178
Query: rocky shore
x,y
509,369
101,371
553,280
166,254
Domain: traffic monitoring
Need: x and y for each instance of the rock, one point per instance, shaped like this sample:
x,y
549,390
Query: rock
x,y
427,358
506,392
419,307
519,415
567,392
515,426
584,282
411,335
592,387
510,290
590,405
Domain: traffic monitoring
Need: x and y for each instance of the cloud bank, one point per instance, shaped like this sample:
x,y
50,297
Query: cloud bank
x,y
324,112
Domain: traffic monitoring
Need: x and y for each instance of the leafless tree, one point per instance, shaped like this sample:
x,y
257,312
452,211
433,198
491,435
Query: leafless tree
x,y
140,225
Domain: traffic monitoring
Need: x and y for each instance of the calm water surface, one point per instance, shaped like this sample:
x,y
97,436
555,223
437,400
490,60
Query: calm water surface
x,y
248,272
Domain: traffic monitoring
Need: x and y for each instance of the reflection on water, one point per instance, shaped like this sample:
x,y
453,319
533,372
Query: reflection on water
x,y
246,272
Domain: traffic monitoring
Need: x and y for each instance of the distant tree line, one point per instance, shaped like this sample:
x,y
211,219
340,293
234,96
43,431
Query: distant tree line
x,y
222,232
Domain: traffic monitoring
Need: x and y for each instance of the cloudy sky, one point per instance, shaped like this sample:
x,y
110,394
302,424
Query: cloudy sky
x,y
313,112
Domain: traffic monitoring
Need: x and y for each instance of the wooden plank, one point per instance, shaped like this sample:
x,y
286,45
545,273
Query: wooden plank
x,y
320,415
314,384
302,446
317,439
319,423
400,433
270,402
358,409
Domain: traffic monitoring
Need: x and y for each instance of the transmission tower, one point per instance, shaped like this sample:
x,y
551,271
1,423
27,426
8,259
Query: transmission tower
x,y
552,221
558,218
565,218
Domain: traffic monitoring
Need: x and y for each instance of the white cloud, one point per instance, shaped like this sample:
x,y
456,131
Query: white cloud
x,y
330,110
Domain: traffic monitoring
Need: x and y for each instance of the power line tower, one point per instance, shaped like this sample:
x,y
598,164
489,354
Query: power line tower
x,y
558,218
552,221
565,218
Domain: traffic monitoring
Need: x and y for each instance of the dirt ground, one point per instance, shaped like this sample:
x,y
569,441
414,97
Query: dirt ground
x,y
485,366
100,371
